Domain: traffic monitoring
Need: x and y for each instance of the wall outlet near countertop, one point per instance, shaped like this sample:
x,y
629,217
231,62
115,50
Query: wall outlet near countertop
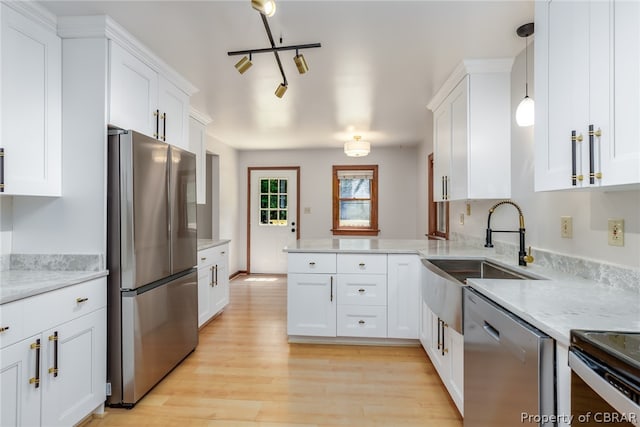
x,y
461,219
566,227
616,232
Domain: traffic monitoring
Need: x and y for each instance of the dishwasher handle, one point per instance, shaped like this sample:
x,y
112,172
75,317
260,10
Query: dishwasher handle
x,y
493,332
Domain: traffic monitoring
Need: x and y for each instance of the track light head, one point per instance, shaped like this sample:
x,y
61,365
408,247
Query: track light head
x,y
243,65
301,63
266,7
281,89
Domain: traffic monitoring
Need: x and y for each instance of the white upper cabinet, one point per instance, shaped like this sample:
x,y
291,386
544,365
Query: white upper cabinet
x,y
144,100
587,94
198,144
472,132
30,111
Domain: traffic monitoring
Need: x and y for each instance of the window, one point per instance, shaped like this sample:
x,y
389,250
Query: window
x,y
273,201
355,200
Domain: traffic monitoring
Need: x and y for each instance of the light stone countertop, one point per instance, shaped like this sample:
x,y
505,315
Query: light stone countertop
x,y
208,243
18,284
562,302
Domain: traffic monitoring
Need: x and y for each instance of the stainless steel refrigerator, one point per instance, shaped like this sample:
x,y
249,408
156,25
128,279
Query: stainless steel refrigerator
x,y
151,256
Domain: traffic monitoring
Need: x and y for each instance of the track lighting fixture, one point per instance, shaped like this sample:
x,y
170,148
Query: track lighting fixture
x,y
357,148
243,65
525,113
268,8
301,63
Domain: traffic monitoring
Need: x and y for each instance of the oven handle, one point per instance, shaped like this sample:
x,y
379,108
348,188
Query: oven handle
x,y
579,364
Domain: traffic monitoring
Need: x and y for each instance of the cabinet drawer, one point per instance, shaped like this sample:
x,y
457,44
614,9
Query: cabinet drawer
x,y
206,257
362,321
362,263
312,263
12,323
64,304
362,289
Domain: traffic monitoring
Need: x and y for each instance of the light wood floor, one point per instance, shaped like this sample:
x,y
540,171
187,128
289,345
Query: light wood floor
x,y
245,373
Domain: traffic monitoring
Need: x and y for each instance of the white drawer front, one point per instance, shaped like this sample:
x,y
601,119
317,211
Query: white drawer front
x,y
64,304
362,321
362,263
312,263
12,323
207,256
362,289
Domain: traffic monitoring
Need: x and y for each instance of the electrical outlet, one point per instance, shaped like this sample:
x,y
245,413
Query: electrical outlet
x,y
468,209
307,210
616,232
461,219
566,227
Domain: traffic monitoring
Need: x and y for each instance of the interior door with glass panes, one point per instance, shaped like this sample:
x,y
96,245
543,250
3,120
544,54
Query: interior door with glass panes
x,y
273,222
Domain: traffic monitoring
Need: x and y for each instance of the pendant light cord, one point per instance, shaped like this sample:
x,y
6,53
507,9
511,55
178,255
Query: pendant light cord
x,y
526,67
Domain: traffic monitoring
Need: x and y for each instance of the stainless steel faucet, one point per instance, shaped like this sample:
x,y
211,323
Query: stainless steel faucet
x,y
523,258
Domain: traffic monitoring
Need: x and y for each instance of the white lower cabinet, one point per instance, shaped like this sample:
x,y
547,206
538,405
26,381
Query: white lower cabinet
x,y
213,282
55,376
311,304
403,296
445,348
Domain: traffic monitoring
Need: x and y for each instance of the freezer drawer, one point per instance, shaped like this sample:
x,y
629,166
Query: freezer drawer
x,y
159,329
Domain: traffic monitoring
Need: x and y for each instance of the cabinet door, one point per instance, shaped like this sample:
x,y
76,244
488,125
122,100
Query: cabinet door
x,y
403,303
30,111
20,400
311,304
173,104
562,91
455,347
441,150
425,326
439,358
78,387
459,173
621,161
221,280
197,144
133,92
205,291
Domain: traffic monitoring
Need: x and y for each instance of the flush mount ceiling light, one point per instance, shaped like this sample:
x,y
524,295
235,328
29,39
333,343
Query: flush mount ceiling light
x,y
525,113
357,147
268,8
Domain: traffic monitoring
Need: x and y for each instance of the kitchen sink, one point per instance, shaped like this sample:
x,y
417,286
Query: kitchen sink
x,y
463,269
444,279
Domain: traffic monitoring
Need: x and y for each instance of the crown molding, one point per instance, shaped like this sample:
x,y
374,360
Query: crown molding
x,y
469,66
103,26
33,11
203,118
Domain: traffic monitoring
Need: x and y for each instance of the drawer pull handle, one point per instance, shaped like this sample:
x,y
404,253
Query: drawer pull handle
x,y
361,322
222,253
361,264
81,300
204,258
312,263
361,290
4,329
36,380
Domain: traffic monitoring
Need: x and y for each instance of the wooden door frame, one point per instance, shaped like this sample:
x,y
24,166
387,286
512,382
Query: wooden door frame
x,y
266,168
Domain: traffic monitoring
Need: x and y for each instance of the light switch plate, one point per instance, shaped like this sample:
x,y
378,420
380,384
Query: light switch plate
x,y
566,227
616,232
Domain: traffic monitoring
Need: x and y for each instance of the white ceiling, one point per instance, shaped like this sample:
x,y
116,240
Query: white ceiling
x,y
379,65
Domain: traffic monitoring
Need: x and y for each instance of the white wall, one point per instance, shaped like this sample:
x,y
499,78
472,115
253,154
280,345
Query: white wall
x,y
6,224
397,188
542,211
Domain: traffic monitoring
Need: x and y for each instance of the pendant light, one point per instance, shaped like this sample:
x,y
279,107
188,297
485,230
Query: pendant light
x,y
357,148
525,113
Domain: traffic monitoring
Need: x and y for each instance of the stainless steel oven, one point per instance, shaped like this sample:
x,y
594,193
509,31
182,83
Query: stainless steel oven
x,y
605,378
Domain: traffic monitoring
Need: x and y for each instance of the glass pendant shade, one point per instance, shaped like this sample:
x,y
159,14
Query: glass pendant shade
x,y
357,148
266,7
525,113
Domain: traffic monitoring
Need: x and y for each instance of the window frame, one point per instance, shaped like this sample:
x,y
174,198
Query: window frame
x,y
372,230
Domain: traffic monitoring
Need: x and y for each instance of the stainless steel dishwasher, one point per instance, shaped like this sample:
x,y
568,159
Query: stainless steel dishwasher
x,y
509,367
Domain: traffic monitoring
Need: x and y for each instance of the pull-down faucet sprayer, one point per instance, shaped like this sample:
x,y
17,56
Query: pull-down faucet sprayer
x,y
523,258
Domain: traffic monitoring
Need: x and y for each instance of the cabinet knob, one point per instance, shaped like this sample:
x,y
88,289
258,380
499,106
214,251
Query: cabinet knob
x,y
312,263
4,329
361,290
222,253
361,322
361,264
204,258
81,300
